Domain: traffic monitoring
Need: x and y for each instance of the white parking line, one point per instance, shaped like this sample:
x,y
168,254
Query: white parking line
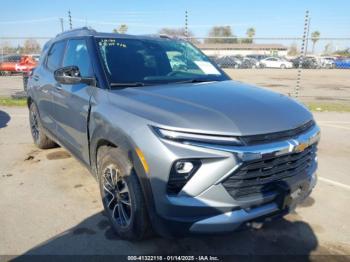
x,y
336,126
335,183
334,122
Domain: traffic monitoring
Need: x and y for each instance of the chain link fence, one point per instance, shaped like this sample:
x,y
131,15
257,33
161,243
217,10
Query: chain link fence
x,y
316,73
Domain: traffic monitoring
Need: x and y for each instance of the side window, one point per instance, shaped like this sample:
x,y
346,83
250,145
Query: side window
x,y
55,55
77,55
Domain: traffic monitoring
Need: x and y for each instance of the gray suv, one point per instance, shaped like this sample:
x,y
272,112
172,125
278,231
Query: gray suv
x,y
176,146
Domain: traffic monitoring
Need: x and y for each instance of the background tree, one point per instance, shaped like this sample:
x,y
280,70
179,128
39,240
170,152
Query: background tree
x,y
345,52
30,46
293,50
221,32
6,48
179,32
328,49
250,34
122,29
315,36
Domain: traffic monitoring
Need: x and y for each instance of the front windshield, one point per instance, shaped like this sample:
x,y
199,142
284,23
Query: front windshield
x,y
155,61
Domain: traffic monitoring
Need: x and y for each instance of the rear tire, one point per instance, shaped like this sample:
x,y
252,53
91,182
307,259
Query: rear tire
x,y
40,139
283,66
121,194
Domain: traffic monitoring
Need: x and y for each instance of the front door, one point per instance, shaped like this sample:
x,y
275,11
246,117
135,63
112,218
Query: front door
x,y
71,102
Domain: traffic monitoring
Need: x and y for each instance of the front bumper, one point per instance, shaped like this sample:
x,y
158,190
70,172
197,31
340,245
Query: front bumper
x,y
234,219
204,205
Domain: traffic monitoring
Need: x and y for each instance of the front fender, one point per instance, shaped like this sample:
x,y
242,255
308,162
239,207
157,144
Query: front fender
x,y
107,131
103,133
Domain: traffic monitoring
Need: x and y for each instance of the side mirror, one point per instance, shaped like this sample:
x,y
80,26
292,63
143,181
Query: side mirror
x,y
70,75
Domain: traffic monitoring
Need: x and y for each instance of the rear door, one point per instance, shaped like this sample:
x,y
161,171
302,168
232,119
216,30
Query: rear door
x,y
71,102
45,84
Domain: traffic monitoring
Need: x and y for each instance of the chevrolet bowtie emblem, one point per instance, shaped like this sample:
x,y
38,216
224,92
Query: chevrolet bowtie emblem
x,y
300,147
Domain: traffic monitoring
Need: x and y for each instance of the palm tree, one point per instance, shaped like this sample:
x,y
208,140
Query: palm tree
x,y
315,36
250,33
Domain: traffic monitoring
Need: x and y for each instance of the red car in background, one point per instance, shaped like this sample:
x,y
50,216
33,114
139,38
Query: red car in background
x,y
17,64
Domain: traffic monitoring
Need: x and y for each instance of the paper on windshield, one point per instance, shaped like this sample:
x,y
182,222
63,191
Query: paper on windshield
x,y
207,68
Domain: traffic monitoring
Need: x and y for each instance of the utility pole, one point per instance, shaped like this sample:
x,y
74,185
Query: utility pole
x,y
61,21
186,24
70,20
307,35
302,52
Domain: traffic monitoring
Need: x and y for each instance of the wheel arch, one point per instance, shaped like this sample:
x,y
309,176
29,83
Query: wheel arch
x,y
102,136
118,139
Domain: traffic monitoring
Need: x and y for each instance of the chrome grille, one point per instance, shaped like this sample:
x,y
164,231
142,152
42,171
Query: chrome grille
x,y
262,176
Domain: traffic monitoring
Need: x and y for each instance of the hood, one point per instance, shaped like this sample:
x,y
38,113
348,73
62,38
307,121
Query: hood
x,y
227,107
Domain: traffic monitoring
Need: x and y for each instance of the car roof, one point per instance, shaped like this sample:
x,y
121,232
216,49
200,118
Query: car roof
x,y
88,31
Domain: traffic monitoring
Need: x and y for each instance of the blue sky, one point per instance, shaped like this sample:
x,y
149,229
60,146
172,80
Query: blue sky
x,y
270,18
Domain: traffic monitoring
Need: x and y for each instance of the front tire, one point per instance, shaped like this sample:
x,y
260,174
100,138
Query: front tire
x,y
121,194
40,139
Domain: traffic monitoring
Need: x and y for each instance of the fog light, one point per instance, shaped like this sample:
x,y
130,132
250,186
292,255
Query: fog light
x,y
181,172
183,167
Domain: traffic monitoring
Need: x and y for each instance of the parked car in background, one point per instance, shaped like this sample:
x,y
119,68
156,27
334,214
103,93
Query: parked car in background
x,y
308,62
257,57
7,64
36,57
249,63
327,62
16,64
342,63
275,62
228,62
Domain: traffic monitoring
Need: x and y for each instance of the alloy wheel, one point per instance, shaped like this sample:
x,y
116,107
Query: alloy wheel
x,y
116,196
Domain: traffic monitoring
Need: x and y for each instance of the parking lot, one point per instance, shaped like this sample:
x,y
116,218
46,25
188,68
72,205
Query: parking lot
x,y
317,85
51,205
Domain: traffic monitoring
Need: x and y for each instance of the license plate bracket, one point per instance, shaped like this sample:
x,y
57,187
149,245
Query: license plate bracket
x,y
296,195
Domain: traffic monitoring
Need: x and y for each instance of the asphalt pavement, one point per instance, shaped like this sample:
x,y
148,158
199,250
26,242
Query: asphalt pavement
x,y
50,204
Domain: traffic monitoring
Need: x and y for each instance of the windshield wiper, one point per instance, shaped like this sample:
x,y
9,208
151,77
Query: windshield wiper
x,y
195,80
131,84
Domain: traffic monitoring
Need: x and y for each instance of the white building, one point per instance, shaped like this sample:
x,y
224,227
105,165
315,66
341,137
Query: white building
x,y
225,49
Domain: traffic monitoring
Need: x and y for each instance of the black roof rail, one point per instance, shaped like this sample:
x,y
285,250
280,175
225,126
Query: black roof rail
x,y
166,36
79,31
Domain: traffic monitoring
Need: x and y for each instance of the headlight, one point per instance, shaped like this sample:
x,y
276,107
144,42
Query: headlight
x,y
195,137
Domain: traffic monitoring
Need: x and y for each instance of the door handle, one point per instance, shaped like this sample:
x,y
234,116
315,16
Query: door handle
x,y
36,77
